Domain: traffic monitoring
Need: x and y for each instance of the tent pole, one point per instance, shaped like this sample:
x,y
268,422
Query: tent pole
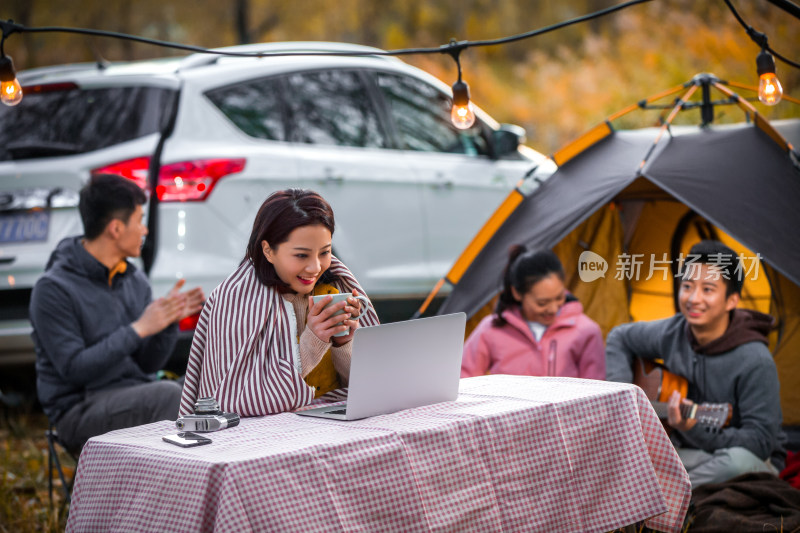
x,y
643,103
706,108
429,299
759,120
678,106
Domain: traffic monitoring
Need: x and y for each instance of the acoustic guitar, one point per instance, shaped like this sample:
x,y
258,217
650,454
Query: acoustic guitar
x,y
658,384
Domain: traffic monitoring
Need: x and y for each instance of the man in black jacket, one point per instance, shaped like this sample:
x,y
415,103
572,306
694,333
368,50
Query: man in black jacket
x,y
98,334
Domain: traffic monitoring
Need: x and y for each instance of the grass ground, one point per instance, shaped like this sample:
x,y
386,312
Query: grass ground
x,y
24,502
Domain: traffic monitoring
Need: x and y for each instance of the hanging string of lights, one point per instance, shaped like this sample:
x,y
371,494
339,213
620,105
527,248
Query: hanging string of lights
x,y
462,113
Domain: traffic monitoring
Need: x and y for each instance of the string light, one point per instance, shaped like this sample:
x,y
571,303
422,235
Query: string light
x,y
462,113
10,90
770,91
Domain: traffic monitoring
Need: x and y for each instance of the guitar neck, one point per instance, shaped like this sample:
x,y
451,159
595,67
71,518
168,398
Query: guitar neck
x,y
687,411
711,415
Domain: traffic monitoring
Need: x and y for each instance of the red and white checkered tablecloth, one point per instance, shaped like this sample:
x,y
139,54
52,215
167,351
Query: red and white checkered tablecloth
x,y
513,453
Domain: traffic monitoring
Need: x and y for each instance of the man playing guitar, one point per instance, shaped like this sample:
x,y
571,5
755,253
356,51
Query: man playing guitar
x,y
722,353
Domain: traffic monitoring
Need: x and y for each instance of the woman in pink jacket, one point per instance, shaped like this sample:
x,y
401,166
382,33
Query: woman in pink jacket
x,y
538,328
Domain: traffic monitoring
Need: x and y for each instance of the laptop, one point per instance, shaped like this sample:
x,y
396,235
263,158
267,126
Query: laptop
x,y
401,365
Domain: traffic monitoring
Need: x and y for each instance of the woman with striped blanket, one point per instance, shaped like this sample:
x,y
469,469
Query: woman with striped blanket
x,y
261,345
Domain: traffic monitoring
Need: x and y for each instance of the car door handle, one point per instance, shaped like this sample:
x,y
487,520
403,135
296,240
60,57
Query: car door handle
x,y
442,184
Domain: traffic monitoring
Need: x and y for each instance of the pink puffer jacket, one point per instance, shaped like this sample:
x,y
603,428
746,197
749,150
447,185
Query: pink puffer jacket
x,y
512,349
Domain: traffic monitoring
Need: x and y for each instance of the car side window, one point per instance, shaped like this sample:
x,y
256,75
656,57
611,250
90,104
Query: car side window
x,y
332,107
421,114
255,107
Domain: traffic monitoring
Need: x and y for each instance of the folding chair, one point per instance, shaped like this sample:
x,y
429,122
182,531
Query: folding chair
x,y
52,457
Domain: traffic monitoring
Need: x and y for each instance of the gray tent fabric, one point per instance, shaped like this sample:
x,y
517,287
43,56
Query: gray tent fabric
x,y
735,176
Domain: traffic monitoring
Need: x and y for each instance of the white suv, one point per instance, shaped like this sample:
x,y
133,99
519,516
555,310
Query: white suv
x,y
214,135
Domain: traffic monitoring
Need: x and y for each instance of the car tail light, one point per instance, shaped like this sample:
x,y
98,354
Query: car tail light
x,y
134,169
193,181
189,323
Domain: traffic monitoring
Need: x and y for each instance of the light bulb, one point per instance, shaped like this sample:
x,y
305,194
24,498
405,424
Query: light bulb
x,y
462,115
770,91
10,90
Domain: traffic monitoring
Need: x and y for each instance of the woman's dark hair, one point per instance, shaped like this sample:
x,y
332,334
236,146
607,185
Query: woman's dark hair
x,y
280,214
523,270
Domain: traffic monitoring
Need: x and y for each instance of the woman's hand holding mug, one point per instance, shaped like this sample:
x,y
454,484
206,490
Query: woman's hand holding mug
x,y
324,319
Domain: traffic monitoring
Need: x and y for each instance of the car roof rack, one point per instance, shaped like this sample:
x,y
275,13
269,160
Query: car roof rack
x,y
75,71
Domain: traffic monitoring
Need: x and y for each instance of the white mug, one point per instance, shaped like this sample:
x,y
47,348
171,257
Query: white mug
x,y
340,297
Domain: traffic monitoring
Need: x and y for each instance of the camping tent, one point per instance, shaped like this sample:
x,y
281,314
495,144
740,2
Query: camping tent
x,y
648,195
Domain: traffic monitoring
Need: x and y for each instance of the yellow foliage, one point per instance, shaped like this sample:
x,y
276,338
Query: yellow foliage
x,y
395,37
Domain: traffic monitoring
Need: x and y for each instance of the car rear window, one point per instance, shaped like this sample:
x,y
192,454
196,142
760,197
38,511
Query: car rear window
x,y
65,119
255,106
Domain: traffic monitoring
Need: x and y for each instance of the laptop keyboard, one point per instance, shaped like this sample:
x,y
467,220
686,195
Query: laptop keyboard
x,y
337,411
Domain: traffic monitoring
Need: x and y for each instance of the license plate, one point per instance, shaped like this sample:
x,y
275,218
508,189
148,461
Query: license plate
x,y
30,226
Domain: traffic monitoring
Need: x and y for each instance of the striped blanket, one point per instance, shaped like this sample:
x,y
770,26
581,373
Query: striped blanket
x,y
242,348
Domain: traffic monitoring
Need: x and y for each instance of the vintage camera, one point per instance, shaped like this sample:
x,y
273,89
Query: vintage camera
x,y
207,417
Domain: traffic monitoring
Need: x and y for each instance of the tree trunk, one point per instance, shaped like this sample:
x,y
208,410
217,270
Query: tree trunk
x,y
242,18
